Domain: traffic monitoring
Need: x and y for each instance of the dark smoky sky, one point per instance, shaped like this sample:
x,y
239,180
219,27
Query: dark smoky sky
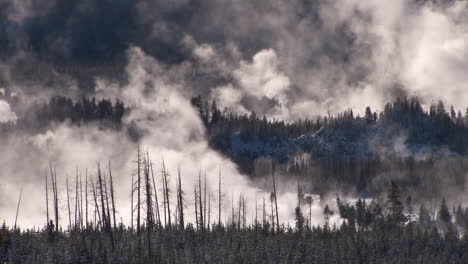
x,y
326,54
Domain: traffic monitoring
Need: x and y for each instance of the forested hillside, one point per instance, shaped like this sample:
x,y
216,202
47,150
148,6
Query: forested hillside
x,y
352,153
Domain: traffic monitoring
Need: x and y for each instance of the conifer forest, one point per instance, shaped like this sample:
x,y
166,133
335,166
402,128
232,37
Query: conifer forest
x,y
268,131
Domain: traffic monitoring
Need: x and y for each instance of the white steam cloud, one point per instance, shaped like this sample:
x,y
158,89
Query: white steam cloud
x,y
170,129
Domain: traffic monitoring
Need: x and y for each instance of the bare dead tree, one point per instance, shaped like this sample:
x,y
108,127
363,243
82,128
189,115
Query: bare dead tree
x,y
256,210
68,203
111,179
86,197
107,204
200,202
53,175
76,200
149,201
18,206
164,193
264,212
244,212
96,205
232,209
272,205
180,200
158,216
103,199
132,210
165,175
209,211
204,200
81,202
219,198
275,194
138,191
47,199
148,193
196,206
239,216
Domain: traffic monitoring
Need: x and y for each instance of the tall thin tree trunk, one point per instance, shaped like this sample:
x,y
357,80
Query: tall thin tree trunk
x,y
209,211
232,208
158,216
196,206
276,195
149,213
81,202
96,206
264,212
86,198
138,192
256,210
166,185
219,198
112,194
239,211
109,223
53,175
180,201
200,202
68,203
18,206
163,173
76,200
204,202
105,200
132,210
47,199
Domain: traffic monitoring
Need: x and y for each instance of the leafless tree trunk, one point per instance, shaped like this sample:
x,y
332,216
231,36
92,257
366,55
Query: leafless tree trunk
x,y
209,211
240,212
112,194
264,212
219,198
232,207
53,176
204,202
47,199
81,203
256,210
107,205
76,201
180,201
103,200
275,195
149,201
86,198
96,206
18,206
158,216
200,202
196,206
132,209
138,192
68,203
166,192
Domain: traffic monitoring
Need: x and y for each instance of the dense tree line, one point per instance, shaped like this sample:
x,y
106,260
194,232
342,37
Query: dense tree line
x,y
378,231
58,109
435,126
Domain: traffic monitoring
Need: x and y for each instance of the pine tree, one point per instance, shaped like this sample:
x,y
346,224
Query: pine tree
x,y
395,206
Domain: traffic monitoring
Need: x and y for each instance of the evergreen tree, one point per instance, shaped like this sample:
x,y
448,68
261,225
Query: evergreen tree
x,y
395,206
